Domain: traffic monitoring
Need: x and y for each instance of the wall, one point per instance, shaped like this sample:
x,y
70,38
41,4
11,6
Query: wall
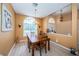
x,y
63,39
45,20
40,24
19,20
78,29
7,38
74,25
60,26
64,27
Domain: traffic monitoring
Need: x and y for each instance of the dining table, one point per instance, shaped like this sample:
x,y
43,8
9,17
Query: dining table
x,y
35,39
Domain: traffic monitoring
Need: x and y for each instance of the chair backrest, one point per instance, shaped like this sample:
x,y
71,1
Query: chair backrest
x,y
27,37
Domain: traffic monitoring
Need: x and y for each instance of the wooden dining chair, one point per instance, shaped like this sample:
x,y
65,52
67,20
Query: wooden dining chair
x,y
28,43
42,45
48,40
38,46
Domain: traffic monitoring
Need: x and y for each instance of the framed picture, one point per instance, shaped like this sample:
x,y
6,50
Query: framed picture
x,y
6,19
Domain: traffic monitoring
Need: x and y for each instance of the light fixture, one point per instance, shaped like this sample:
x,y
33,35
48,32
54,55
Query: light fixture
x,y
35,12
61,16
19,25
35,5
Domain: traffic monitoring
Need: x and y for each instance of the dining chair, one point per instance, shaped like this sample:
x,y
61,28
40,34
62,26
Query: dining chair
x,y
42,45
28,43
38,46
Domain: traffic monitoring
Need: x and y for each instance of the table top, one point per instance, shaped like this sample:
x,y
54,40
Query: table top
x,y
35,38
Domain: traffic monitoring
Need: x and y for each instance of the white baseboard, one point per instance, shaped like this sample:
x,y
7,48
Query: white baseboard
x,y
60,45
11,49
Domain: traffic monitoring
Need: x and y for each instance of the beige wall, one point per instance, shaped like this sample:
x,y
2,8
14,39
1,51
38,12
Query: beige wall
x,y
67,41
78,28
45,21
74,25
7,38
19,20
60,28
64,27
40,23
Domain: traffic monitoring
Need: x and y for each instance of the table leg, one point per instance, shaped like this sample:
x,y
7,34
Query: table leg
x,y
32,50
48,44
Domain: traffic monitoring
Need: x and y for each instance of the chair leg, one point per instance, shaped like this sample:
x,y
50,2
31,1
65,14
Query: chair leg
x,y
29,46
40,51
45,49
29,49
48,44
32,51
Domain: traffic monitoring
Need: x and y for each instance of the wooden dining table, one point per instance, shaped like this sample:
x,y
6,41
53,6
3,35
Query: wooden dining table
x,y
33,39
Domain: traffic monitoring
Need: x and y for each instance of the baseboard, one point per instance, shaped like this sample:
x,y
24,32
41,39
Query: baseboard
x,y
60,45
11,49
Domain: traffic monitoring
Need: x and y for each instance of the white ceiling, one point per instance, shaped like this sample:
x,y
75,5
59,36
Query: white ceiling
x,y
43,9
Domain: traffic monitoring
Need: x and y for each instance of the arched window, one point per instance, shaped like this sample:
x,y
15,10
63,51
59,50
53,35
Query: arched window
x,y
29,26
51,25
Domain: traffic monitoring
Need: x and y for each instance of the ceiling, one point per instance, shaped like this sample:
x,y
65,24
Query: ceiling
x,y
43,9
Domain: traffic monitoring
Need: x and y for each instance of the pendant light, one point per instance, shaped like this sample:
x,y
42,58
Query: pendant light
x,y
61,16
35,5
